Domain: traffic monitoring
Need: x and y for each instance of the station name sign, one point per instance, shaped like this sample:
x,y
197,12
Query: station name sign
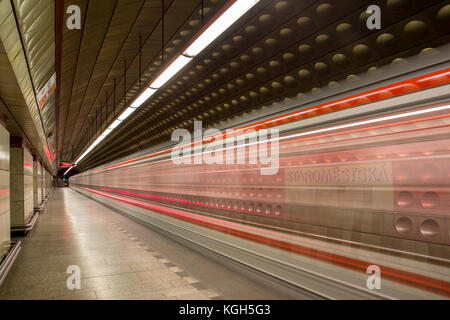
x,y
357,174
65,164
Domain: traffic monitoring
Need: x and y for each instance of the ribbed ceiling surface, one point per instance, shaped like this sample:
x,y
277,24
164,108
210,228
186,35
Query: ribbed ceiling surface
x,y
28,61
280,49
36,21
94,59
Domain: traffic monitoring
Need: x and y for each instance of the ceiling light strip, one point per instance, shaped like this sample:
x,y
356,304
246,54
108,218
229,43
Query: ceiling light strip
x,y
67,171
219,26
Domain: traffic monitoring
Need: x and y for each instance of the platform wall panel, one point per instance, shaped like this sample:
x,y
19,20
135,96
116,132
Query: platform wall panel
x,y
5,219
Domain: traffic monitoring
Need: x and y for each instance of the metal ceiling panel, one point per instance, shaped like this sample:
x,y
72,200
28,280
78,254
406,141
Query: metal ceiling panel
x,y
69,64
114,33
36,21
17,88
95,24
15,110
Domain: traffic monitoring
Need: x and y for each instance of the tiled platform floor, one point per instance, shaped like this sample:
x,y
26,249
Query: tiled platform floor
x,y
118,259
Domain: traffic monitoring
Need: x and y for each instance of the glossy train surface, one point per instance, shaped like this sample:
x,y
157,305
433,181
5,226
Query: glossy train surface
x,y
379,181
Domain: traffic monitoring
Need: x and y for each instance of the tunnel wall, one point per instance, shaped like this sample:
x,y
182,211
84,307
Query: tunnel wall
x,y
5,219
41,182
21,179
36,199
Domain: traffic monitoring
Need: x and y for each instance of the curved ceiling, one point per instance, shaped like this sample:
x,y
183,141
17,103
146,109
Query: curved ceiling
x,y
28,60
36,22
94,59
280,49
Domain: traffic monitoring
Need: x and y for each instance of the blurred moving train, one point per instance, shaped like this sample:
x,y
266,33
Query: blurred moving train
x,y
369,170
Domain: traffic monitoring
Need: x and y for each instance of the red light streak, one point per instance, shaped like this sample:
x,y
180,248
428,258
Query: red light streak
x,y
272,239
49,154
402,87
377,127
143,195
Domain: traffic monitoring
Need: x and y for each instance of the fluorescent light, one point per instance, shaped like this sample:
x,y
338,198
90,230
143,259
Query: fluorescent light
x,y
143,97
67,171
95,143
114,124
230,16
170,71
126,113
99,139
106,132
370,121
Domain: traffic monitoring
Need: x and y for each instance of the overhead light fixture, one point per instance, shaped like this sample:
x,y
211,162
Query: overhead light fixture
x,y
100,138
222,23
126,113
236,10
170,71
143,97
84,154
114,124
67,171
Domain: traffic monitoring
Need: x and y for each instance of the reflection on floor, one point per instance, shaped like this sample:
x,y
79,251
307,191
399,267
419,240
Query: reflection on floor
x,y
118,259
